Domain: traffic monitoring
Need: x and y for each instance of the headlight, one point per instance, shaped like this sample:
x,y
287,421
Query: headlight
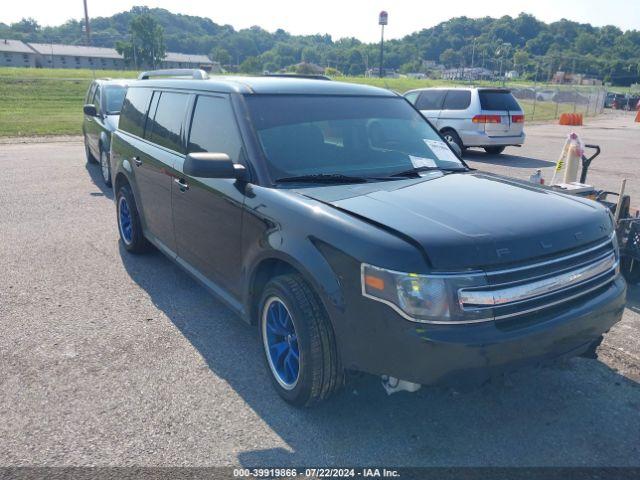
x,y
422,298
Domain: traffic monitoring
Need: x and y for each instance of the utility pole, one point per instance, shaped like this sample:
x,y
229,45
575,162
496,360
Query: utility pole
x,y
473,57
87,28
382,21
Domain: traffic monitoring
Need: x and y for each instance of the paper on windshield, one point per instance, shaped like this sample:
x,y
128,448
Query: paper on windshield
x,y
418,162
441,150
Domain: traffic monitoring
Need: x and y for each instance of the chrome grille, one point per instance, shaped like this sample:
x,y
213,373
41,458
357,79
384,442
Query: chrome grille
x,y
522,290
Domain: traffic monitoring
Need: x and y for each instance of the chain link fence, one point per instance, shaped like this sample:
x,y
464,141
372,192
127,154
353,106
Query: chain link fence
x,y
548,102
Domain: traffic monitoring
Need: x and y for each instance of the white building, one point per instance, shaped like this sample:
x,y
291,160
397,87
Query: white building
x,y
186,60
54,55
14,53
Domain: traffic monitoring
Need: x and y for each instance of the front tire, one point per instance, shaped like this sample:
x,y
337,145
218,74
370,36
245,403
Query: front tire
x,y
452,137
105,167
494,150
298,341
129,225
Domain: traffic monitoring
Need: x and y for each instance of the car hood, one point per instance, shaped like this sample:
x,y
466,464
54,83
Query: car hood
x,y
473,220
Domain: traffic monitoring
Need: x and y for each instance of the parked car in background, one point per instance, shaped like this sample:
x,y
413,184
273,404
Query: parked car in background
x,y
101,112
614,100
489,118
336,220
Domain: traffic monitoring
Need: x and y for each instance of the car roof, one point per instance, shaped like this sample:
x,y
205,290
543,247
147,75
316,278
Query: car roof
x,y
267,85
444,87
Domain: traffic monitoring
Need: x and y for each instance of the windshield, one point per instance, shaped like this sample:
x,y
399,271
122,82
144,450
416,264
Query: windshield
x,y
340,135
114,98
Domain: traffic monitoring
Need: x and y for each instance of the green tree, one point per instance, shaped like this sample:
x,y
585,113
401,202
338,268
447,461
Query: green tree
x,y
221,55
251,65
450,58
145,47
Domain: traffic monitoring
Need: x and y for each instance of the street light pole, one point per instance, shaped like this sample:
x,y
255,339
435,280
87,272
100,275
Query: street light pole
x,y
382,21
87,28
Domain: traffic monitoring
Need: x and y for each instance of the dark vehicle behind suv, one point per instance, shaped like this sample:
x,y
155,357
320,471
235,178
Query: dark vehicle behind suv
x,y
101,112
335,218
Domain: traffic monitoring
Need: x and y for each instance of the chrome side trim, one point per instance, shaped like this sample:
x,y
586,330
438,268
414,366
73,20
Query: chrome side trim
x,y
535,289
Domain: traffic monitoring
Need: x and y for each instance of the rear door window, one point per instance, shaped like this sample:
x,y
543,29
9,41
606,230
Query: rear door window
x,y
497,100
134,111
166,127
213,128
457,100
430,100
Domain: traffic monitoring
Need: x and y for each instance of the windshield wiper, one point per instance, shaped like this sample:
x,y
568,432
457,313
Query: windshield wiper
x,y
323,178
416,170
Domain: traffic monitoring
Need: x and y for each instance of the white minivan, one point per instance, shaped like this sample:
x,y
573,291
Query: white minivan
x,y
490,118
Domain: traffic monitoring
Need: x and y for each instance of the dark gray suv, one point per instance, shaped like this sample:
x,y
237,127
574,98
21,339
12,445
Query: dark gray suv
x,y
101,112
336,219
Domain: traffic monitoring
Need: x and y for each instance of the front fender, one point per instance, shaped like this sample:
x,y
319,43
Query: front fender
x,y
303,256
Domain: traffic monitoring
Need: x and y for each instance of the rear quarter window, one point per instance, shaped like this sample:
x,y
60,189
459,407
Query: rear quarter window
x,y
134,111
497,100
457,100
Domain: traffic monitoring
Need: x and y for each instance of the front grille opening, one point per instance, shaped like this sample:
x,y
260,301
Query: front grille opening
x,y
546,314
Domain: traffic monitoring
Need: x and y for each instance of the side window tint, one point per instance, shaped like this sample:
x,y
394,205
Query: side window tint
x,y
134,111
167,122
412,97
90,92
96,98
213,128
430,100
457,100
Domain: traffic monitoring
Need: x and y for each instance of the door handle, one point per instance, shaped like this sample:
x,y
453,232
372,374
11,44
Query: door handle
x,y
182,184
137,161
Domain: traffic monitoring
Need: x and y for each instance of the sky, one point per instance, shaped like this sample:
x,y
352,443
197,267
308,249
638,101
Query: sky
x,y
340,18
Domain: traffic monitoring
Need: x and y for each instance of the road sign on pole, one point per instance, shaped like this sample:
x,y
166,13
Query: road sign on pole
x,y
383,19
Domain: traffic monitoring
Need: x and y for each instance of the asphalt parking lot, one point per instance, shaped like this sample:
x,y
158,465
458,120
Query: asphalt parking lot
x,y
111,359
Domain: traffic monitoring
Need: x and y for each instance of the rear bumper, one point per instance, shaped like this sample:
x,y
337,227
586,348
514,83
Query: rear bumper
x,y
481,139
472,353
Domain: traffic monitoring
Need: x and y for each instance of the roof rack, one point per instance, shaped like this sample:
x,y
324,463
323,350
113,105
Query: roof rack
x,y
194,73
296,75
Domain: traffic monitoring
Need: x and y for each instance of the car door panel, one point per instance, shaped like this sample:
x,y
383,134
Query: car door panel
x,y
207,215
454,113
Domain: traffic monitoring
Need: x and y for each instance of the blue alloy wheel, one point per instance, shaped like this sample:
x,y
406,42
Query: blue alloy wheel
x,y
124,217
281,343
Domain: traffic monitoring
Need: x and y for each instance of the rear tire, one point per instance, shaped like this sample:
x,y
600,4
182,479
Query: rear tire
x,y
298,342
494,150
452,137
129,225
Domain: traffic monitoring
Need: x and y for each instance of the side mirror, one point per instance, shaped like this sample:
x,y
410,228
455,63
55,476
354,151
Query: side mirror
x,y
456,148
90,110
212,165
